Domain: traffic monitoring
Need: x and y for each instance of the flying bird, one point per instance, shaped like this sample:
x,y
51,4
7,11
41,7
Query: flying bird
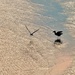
x,y
32,32
59,33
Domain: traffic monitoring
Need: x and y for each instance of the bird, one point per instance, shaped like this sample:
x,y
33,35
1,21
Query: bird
x,y
32,32
58,33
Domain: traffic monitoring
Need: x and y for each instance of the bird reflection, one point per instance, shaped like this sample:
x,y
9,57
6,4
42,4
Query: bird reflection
x,y
32,32
58,42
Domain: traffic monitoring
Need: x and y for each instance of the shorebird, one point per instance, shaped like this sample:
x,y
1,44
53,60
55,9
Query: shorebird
x,y
59,33
31,33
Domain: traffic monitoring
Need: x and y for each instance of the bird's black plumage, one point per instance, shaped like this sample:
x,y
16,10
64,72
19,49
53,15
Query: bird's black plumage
x,y
59,33
30,32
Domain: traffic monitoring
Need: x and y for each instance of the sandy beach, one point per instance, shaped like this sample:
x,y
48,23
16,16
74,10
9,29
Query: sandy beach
x,y
22,54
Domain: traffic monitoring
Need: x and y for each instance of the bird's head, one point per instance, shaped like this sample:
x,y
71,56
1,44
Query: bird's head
x,y
54,31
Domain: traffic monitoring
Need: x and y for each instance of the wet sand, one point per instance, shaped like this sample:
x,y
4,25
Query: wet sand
x,y
63,63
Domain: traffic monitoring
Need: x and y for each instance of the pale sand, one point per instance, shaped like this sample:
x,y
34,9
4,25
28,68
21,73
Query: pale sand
x,y
21,54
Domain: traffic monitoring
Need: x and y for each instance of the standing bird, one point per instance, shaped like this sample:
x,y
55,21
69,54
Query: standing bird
x,y
30,32
59,33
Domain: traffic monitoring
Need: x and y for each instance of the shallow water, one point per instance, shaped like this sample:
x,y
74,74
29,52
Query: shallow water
x,y
57,18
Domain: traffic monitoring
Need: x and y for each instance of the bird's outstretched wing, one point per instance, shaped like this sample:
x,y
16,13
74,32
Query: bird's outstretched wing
x,y
61,32
27,29
35,31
